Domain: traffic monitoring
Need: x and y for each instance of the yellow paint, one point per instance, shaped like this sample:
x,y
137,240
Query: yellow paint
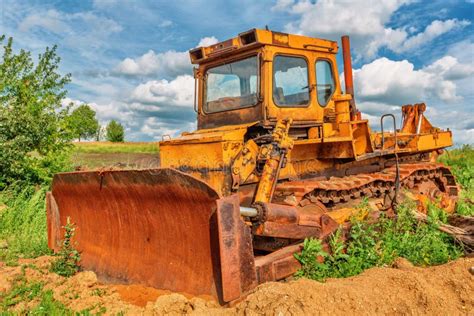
x,y
343,215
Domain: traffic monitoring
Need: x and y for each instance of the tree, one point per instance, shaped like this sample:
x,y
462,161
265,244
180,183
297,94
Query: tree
x,y
115,132
33,128
83,123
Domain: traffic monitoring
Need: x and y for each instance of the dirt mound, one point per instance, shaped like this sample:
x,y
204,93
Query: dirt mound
x,y
402,289
406,289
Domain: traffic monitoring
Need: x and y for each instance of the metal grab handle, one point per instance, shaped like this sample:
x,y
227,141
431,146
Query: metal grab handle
x,y
195,94
394,129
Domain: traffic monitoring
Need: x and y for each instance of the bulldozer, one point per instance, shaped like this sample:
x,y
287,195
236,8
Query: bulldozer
x,y
281,153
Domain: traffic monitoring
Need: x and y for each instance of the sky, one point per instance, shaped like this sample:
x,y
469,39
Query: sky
x,y
129,59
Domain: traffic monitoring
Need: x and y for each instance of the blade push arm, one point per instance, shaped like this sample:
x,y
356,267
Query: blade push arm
x,y
274,154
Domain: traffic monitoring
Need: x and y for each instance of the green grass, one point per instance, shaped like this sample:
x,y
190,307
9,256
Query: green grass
x,y
109,147
461,161
379,244
23,224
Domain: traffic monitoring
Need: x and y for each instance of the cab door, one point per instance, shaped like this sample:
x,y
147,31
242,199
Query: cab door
x,y
293,85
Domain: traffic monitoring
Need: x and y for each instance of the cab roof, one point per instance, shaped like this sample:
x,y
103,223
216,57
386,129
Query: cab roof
x,y
255,38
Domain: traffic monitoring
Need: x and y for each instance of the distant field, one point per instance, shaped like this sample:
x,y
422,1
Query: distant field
x,y
128,155
109,147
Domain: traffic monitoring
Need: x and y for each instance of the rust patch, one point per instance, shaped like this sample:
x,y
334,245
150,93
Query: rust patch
x,y
143,226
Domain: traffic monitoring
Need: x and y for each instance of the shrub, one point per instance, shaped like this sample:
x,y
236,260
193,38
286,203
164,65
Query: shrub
x,y
378,244
67,263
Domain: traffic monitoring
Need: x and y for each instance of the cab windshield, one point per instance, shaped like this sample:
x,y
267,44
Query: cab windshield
x,y
232,85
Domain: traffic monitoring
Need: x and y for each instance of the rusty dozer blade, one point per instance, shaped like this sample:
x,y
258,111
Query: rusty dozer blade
x,y
158,228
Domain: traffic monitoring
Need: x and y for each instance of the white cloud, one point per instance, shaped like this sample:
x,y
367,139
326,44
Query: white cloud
x,y
375,108
177,92
463,51
435,29
156,128
359,18
170,63
207,41
51,20
166,23
398,82
282,5
59,22
98,24
105,112
83,32
450,68
365,21
463,136
445,85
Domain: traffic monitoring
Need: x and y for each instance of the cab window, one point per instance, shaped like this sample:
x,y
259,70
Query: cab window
x,y
324,81
232,86
290,81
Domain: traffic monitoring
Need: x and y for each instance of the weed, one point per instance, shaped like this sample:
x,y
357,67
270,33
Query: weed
x,y
378,244
49,306
309,259
101,310
67,263
22,291
99,292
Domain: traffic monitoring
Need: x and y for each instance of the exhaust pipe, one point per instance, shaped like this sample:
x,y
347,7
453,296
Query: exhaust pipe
x,y
346,55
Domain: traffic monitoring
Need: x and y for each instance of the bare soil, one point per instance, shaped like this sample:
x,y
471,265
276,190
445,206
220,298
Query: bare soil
x,y
399,290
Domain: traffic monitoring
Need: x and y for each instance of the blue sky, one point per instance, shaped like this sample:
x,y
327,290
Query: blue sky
x,y
129,59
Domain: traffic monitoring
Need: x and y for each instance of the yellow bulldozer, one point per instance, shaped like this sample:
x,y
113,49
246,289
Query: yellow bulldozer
x,y
280,154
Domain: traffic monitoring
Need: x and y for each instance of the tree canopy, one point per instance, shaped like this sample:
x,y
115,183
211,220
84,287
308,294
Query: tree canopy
x,y
33,126
115,132
83,122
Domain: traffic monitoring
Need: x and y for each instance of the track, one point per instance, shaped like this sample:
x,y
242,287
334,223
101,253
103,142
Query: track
x,y
430,179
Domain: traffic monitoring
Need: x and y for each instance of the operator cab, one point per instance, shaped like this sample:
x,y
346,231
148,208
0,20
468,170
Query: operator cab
x,y
262,76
